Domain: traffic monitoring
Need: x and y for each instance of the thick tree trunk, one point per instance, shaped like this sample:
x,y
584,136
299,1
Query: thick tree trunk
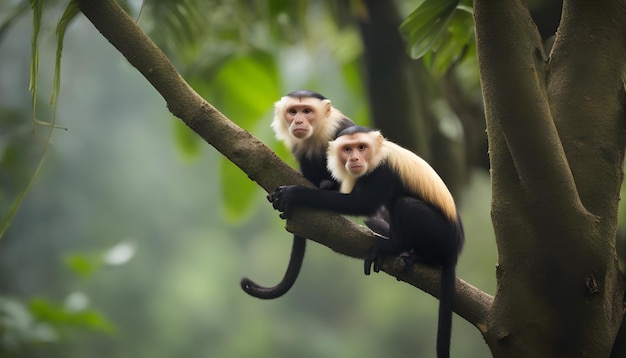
x,y
556,140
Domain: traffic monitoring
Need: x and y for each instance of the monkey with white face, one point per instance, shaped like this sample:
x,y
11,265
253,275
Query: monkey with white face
x,y
305,121
375,173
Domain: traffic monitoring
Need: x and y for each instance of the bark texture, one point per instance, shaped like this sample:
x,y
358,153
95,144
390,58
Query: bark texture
x,y
556,141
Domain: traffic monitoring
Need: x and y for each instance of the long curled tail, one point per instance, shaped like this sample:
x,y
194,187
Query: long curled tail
x,y
291,274
444,332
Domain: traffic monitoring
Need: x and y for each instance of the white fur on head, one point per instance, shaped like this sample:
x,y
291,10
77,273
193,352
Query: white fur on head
x,y
324,127
338,169
279,124
416,174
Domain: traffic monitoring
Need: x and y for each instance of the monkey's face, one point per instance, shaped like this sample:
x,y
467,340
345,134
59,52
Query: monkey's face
x,y
355,153
298,119
302,115
301,119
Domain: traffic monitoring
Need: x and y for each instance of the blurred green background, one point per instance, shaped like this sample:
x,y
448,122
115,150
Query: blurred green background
x,y
133,238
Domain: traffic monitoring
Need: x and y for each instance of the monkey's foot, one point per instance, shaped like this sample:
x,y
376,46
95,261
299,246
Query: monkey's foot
x,y
408,258
367,268
375,260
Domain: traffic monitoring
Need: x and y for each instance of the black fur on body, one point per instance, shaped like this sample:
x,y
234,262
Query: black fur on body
x,y
310,154
422,215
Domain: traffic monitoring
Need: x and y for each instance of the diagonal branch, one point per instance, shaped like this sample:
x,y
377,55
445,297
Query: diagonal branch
x,y
252,156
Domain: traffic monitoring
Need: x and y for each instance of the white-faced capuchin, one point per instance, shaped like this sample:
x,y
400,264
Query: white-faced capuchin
x,y
305,121
423,218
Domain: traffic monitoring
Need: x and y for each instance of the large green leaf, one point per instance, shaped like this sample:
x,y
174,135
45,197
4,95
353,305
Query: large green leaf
x,y
424,25
454,42
245,87
237,190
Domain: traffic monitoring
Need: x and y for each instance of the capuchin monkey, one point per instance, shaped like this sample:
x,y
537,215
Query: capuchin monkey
x,y
422,215
305,121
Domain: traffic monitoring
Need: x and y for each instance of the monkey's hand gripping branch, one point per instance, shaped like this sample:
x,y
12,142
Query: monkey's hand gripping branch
x,y
282,199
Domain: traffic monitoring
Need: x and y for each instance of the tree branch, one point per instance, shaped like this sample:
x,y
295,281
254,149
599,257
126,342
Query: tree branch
x,y
469,302
512,71
253,157
587,99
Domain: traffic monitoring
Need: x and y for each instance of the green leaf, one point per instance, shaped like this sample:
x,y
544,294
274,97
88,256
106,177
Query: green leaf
x,y
423,26
57,315
237,189
183,22
18,326
246,87
188,141
455,41
83,265
37,7
278,7
70,13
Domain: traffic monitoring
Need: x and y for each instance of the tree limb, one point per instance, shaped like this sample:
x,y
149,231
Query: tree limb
x,y
512,70
253,157
586,93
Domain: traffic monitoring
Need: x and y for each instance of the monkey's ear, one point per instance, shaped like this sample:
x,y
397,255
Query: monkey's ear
x,y
327,107
379,138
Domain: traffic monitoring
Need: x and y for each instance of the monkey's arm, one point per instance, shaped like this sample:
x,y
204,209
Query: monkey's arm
x,y
285,198
369,194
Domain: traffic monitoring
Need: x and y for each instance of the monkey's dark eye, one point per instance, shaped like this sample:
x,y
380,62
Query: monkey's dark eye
x,y
307,111
362,147
347,149
292,111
